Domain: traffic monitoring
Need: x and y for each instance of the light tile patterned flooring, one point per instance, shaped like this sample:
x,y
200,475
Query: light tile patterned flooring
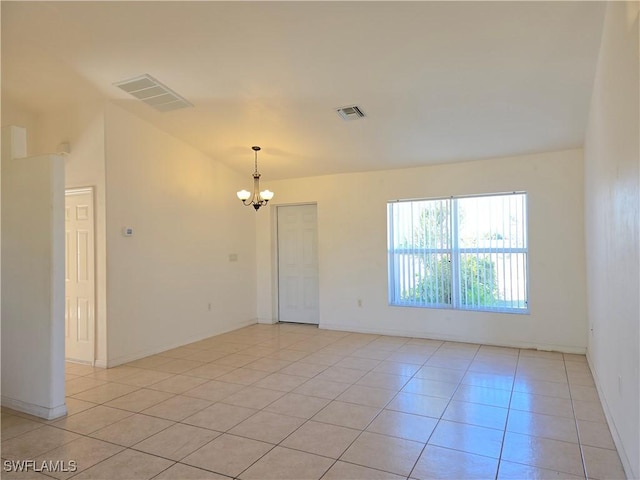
x,y
295,402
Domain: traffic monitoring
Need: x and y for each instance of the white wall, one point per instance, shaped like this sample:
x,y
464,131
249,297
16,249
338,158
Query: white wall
x,y
612,201
352,239
82,126
33,284
14,114
187,220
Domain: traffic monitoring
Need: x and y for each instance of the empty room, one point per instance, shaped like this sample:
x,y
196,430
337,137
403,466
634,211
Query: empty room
x,y
320,240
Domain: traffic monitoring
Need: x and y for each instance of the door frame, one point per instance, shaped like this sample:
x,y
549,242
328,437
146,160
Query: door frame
x,y
70,191
275,280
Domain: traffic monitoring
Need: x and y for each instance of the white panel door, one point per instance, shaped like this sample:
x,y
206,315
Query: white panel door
x,y
79,276
298,264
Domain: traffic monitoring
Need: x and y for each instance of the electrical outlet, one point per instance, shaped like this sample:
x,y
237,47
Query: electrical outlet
x,y
360,302
209,306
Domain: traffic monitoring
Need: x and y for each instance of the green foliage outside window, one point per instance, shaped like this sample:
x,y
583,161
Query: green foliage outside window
x,y
478,282
477,279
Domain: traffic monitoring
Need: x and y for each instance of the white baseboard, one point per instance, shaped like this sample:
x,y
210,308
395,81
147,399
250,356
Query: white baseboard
x,y
48,413
453,338
617,440
114,362
79,362
267,321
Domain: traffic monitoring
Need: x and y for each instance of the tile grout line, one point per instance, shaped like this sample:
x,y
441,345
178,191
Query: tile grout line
x,y
367,425
506,421
305,422
445,408
132,447
350,353
124,447
575,421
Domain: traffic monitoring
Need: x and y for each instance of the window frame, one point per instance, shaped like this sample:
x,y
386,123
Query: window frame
x,y
456,252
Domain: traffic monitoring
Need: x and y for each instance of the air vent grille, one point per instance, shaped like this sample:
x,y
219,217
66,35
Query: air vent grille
x,y
153,93
351,112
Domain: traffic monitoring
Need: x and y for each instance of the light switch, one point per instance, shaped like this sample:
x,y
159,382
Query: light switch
x,y
127,232
233,257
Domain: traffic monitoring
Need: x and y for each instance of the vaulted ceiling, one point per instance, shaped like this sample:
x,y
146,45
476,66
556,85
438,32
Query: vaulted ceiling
x,y
438,81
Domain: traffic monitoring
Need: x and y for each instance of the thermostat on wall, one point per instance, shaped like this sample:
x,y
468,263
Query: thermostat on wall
x,y
127,232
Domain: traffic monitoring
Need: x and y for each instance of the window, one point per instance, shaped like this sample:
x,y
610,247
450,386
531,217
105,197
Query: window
x,y
462,252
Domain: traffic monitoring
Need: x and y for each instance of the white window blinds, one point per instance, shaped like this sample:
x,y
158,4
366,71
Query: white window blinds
x,y
463,252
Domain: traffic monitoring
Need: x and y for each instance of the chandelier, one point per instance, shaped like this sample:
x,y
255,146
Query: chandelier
x,y
258,198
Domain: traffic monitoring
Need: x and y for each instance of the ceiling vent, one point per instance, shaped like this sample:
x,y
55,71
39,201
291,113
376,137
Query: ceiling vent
x,y
153,93
352,112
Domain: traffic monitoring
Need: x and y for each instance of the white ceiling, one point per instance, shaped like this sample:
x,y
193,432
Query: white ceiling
x,y
439,81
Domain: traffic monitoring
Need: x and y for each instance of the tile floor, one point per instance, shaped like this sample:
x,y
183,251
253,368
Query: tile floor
x,y
295,402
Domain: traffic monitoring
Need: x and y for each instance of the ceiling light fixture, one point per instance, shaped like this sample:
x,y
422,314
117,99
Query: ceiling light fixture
x,y
258,198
